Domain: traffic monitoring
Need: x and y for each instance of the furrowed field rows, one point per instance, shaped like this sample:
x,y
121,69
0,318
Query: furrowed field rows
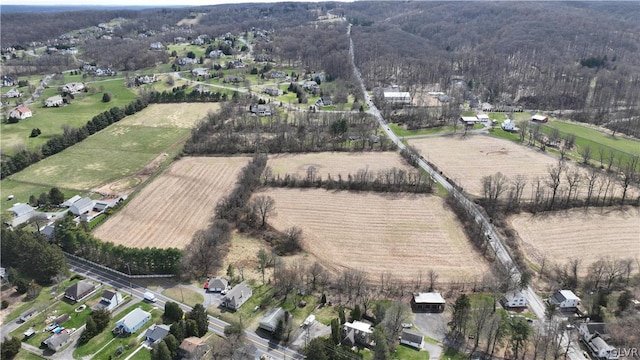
x,y
181,201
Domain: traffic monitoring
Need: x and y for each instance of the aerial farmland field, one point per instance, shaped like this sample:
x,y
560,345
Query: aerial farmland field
x,y
169,211
402,235
587,235
335,163
466,160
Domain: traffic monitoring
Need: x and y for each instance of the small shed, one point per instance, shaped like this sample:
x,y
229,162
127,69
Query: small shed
x,y
539,118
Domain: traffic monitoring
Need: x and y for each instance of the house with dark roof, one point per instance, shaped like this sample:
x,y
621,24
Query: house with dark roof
x,y
260,110
217,284
270,320
237,296
156,333
192,348
80,290
411,338
428,302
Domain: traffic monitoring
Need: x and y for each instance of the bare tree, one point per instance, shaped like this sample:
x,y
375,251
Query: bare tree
x,y
493,187
481,312
573,177
263,206
555,174
592,179
263,261
433,278
629,175
585,153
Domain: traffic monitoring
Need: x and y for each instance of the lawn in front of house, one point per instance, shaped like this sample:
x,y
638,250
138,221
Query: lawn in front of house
x,y
184,295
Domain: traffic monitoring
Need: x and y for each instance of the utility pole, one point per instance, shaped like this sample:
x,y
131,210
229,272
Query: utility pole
x,y
130,287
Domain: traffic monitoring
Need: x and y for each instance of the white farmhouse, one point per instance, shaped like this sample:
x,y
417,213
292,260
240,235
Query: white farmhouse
x,y
515,299
565,300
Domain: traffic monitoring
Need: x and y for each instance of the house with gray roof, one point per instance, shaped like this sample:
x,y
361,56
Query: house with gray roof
x,y
71,201
54,101
217,284
57,341
237,296
20,209
411,338
81,206
133,321
156,333
270,320
80,290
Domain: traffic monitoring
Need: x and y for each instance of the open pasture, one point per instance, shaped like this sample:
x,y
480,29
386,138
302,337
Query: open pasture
x,y
586,235
402,235
183,116
335,163
169,211
466,160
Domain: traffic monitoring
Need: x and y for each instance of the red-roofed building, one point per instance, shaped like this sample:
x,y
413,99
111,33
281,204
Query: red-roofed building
x,y
21,112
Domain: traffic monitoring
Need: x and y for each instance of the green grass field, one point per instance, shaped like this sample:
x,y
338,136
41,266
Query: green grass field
x,y
51,120
594,137
184,295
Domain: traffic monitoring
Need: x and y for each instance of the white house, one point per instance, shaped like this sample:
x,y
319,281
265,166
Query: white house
x,y
515,299
13,93
270,320
133,321
82,206
397,97
110,300
260,110
509,125
237,296
357,332
411,338
200,72
21,112
73,87
54,101
156,46
565,300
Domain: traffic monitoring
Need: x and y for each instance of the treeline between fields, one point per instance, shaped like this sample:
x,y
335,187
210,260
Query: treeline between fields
x,y
233,130
390,180
69,137
77,240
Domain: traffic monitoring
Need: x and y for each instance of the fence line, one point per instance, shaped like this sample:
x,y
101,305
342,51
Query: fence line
x,y
119,273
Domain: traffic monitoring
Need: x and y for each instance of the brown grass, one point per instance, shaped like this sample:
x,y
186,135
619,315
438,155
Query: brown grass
x,y
169,211
399,234
587,235
185,115
335,163
467,159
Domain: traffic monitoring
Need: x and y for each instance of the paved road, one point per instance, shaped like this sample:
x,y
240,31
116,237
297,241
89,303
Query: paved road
x,y
216,325
496,242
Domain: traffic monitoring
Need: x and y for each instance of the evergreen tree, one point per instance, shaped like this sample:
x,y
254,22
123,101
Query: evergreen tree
x,y
356,314
192,328
179,330
199,315
160,351
315,350
172,311
56,197
10,348
335,331
380,349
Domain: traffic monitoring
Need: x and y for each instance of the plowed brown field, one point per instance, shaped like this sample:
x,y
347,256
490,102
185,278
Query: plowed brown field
x,y
174,206
590,235
335,163
378,233
468,159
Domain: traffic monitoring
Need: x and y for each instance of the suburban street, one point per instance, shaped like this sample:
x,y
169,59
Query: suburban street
x,y
216,325
535,302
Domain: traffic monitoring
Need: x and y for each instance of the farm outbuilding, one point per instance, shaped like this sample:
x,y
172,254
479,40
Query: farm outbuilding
x,y
428,302
539,118
20,209
397,97
270,320
565,300
217,284
82,206
411,338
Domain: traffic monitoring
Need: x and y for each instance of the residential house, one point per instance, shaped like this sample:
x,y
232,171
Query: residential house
x,y
278,75
397,97
145,79
8,81
595,337
21,112
235,64
156,333
411,338
539,118
73,88
202,89
104,72
20,209
237,296
270,320
565,300
483,118
514,299
217,284
81,206
80,290
192,348
57,341
157,46
324,101
178,40
109,301
54,101
186,61
13,93
197,41
48,231
357,332
260,110
509,125
262,58
200,72
311,86
133,321
272,91
428,302
587,330
214,54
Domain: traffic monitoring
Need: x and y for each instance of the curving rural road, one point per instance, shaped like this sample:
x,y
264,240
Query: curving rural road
x,y
535,302
216,325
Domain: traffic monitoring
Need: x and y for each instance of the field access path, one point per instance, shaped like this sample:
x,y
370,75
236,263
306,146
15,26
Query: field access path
x,y
497,244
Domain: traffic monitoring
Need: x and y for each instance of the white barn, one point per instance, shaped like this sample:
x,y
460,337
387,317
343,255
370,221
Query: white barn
x,y
565,299
82,206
